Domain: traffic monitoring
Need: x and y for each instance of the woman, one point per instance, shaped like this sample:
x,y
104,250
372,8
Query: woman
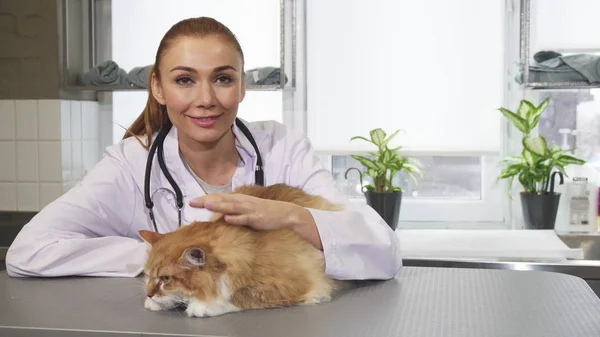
x,y
197,84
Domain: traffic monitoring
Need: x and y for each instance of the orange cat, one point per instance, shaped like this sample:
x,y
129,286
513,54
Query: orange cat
x,y
216,268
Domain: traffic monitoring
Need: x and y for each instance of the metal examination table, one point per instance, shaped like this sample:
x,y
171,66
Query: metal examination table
x,y
420,301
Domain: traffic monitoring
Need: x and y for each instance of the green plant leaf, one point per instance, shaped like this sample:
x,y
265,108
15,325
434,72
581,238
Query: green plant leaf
x,y
381,167
525,109
529,157
524,180
535,116
377,136
396,164
390,137
361,137
518,121
510,171
366,162
562,170
386,156
565,160
510,186
536,145
396,149
555,151
512,160
411,167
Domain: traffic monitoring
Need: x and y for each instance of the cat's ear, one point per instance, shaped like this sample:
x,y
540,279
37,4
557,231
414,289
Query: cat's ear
x,y
193,257
149,236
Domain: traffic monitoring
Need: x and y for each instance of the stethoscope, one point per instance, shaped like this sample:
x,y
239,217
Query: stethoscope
x,y
259,175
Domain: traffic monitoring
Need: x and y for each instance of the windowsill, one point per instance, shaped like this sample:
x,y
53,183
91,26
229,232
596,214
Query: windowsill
x,y
496,245
403,224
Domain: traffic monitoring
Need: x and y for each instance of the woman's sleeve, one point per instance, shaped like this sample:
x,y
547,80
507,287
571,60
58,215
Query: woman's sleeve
x,y
83,232
357,242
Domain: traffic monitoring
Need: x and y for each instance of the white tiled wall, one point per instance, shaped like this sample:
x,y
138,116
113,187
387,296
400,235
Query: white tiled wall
x,y
46,146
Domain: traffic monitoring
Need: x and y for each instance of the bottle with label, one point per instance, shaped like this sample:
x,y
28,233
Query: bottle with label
x,y
579,202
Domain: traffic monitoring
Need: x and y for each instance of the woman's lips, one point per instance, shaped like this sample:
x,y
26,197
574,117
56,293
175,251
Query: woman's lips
x,y
204,121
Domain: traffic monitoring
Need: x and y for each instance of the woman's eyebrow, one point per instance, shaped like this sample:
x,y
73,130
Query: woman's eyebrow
x,y
221,68
192,70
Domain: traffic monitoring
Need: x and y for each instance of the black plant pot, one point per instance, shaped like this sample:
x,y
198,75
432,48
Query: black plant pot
x,y
387,205
539,210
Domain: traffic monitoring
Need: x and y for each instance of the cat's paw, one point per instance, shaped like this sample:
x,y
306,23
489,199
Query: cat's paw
x,y
317,299
196,309
153,306
202,309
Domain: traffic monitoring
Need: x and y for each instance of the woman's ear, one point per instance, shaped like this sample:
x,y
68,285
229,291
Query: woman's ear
x,y
157,91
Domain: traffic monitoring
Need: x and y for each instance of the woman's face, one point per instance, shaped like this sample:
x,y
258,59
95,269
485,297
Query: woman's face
x,y
201,84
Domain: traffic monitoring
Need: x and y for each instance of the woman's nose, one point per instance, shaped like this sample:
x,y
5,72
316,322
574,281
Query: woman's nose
x,y
205,95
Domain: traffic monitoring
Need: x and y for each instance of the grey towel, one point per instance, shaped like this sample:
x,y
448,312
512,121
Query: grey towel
x,y
106,73
263,76
570,68
138,76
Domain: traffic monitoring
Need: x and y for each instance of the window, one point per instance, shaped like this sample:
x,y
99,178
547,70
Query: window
x,y
430,68
572,120
458,189
443,178
566,27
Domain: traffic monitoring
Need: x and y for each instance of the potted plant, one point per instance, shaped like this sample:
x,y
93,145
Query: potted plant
x,y
381,167
536,168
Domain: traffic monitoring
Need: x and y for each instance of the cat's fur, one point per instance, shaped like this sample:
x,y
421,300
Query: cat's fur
x,y
215,268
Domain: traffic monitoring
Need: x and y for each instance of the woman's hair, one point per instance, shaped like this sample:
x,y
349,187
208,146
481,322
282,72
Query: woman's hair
x,y
154,115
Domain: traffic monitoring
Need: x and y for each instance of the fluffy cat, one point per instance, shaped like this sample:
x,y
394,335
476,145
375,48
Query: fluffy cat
x,y
216,268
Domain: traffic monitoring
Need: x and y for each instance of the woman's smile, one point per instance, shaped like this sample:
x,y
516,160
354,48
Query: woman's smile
x,y
204,121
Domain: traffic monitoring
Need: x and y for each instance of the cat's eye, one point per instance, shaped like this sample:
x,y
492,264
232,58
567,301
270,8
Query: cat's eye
x,y
165,278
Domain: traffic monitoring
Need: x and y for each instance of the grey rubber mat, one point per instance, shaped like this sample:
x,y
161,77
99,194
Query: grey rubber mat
x,y
424,302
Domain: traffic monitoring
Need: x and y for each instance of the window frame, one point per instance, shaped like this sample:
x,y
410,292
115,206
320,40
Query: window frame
x,y
491,209
495,208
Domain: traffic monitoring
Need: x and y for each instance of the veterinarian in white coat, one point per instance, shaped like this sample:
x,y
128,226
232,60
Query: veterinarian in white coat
x,y
197,81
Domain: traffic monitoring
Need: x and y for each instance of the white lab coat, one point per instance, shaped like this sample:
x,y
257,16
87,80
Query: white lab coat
x,y
92,230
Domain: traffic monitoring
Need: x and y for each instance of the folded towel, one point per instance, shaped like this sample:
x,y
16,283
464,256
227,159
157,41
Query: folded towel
x,y
263,76
106,73
586,65
138,76
544,55
570,68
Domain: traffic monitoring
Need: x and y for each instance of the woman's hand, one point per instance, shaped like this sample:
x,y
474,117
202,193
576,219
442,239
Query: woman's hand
x,y
261,214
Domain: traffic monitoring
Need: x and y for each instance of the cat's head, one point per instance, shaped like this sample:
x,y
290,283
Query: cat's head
x,y
180,266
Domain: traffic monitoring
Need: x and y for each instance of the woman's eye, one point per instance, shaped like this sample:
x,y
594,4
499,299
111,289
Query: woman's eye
x,y
165,278
184,80
224,79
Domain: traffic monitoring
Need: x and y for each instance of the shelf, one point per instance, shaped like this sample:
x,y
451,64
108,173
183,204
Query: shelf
x,y
560,85
89,44
567,70
115,88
